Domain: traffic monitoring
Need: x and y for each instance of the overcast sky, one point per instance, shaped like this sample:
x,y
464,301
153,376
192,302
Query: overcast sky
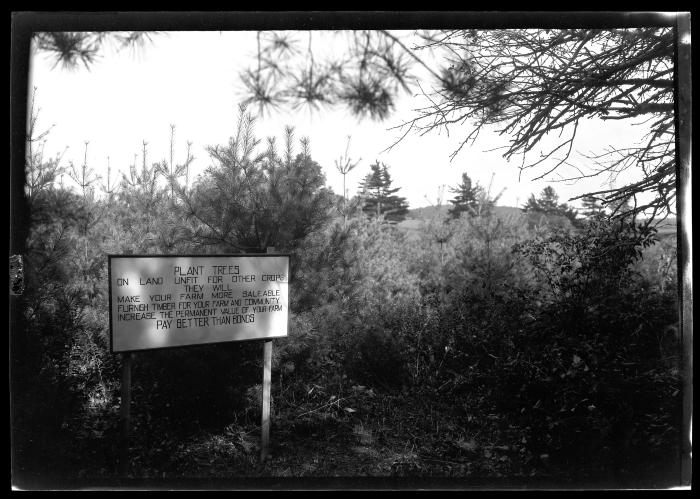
x,y
190,79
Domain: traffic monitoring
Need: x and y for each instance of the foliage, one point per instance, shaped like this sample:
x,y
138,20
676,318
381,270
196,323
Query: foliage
x,y
174,172
380,200
357,267
377,358
596,262
467,197
71,47
345,165
483,255
61,363
40,173
591,206
367,82
532,84
354,281
149,221
250,200
592,389
432,249
537,82
547,203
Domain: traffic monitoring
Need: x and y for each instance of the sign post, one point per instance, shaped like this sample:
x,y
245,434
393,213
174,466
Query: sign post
x,y
125,410
167,301
267,382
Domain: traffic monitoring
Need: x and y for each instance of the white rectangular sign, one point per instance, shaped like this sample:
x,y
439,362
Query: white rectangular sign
x,y
168,301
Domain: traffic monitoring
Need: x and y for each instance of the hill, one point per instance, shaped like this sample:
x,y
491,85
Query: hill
x,y
430,212
417,216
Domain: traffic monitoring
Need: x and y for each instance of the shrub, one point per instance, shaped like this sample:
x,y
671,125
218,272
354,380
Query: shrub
x,y
483,260
584,377
377,359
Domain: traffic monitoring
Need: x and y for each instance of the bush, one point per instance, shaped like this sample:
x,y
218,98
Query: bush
x,y
377,359
585,376
483,258
196,386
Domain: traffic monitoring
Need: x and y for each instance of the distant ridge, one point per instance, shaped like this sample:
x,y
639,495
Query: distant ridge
x,y
430,212
415,216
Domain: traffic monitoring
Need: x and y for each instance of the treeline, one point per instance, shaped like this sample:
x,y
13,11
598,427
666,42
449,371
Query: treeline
x,y
565,336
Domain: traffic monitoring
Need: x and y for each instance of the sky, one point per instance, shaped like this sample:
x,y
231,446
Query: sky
x,y
191,80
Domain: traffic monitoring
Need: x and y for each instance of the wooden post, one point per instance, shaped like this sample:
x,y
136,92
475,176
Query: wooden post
x,y
267,382
125,411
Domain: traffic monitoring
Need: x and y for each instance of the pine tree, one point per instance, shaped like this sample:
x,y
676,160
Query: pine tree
x,y
345,165
547,203
591,206
249,200
380,198
468,198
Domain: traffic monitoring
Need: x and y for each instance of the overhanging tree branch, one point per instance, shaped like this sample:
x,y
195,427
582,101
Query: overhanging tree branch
x,y
528,84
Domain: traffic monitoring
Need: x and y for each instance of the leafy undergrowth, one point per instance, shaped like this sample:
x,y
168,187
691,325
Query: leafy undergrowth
x,y
333,428
353,432
337,429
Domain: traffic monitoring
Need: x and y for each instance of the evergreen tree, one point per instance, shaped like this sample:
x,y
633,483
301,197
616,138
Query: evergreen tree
x,y
591,206
345,165
380,198
547,203
249,200
469,198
